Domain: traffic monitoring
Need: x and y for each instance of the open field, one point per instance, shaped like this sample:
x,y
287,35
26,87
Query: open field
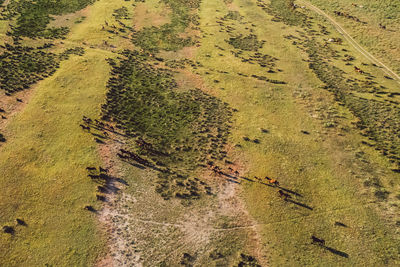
x,y
228,132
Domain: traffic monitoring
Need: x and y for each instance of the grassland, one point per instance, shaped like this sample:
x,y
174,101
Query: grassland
x,y
43,165
383,42
307,164
182,87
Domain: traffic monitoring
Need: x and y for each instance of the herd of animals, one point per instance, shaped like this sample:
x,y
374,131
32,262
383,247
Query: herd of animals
x,y
101,173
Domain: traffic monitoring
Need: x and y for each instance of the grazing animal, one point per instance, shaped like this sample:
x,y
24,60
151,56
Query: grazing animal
x,y
20,222
3,117
101,124
316,240
101,198
357,69
91,168
92,176
19,100
87,128
101,189
90,208
106,134
8,229
104,170
236,173
273,182
97,140
87,120
284,195
121,156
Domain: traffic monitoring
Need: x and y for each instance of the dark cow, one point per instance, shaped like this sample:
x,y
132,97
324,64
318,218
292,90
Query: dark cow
x,y
284,195
87,128
101,198
317,241
103,170
90,208
20,222
8,229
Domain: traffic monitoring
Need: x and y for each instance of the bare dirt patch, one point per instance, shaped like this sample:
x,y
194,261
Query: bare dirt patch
x,y
146,17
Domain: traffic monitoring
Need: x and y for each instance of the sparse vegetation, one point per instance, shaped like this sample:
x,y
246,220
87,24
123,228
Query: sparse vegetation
x,y
185,129
195,133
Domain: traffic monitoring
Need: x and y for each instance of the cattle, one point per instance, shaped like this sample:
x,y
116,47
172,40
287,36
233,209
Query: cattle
x,y
90,208
358,70
121,156
20,222
273,182
8,229
283,195
100,198
90,168
317,241
99,123
104,170
87,120
87,128
92,176
101,189
99,141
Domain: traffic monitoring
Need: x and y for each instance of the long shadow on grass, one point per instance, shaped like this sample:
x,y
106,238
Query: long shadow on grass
x,y
134,164
290,191
337,252
299,204
144,166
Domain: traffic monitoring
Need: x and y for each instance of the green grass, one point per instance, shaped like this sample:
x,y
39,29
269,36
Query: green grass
x,y
33,17
383,43
339,178
21,67
44,158
307,164
166,37
43,170
186,129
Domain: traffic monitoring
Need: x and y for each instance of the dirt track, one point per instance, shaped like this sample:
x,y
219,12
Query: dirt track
x,y
347,36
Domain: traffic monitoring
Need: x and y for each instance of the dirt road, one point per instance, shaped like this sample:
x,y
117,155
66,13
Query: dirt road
x,y
347,36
